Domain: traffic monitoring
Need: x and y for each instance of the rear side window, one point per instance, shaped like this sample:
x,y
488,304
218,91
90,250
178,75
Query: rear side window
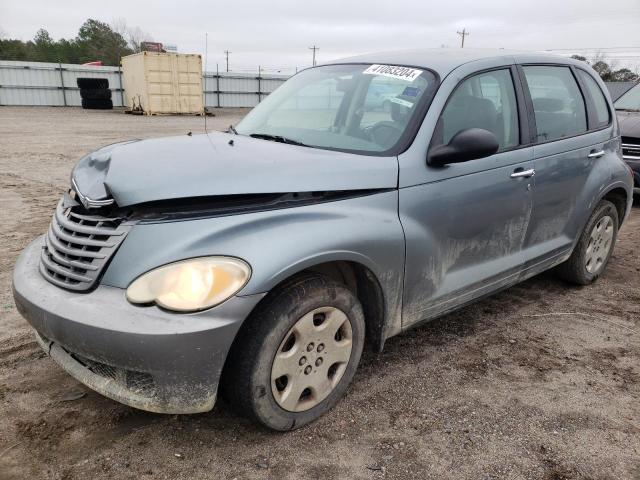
x,y
557,102
487,101
599,102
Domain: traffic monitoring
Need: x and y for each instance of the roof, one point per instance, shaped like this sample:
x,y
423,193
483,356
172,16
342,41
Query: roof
x,y
444,60
617,89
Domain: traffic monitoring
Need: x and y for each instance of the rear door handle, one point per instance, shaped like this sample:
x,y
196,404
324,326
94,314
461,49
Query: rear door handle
x,y
523,173
595,154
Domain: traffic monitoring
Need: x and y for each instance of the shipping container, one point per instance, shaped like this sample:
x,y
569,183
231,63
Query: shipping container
x,y
162,83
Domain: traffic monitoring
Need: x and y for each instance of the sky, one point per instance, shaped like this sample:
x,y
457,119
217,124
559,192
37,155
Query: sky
x,y
277,34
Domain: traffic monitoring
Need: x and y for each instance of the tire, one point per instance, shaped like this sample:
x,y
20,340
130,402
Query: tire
x,y
92,83
95,94
93,104
595,242
250,383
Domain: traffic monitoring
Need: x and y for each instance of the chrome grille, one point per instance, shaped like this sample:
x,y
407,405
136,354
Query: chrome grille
x,y
78,246
631,148
631,151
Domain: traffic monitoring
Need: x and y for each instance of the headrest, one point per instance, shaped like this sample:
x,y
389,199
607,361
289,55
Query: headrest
x,y
548,104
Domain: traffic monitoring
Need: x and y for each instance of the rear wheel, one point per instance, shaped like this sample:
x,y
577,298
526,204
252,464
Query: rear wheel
x,y
297,355
594,248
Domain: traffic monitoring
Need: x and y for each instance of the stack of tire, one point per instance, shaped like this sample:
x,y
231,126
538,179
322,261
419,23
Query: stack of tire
x,y
95,93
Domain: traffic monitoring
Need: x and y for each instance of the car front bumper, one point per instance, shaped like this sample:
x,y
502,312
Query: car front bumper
x,y
140,356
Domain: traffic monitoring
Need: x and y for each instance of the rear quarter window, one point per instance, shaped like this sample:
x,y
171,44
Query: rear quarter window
x,y
603,117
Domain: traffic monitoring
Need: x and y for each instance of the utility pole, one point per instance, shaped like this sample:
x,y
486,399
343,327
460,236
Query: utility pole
x,y
227,52
314,48
463,34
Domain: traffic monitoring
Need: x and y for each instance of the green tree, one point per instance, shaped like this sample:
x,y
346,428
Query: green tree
x,y
44,48
624,75
68,51
13,50
96,40
604,70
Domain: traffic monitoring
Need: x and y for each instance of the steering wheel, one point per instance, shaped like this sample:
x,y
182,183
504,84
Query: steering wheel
x,y
383,133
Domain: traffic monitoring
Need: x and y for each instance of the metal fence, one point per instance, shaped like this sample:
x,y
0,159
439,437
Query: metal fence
x,y
229,89
35,83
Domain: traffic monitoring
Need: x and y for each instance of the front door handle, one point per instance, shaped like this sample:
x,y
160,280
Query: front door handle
x,y
523,173
595,154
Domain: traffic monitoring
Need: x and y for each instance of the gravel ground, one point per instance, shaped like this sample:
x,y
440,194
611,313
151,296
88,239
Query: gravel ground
x,y
541,381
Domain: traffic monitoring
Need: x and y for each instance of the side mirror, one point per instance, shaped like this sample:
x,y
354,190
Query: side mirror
x,y
469,144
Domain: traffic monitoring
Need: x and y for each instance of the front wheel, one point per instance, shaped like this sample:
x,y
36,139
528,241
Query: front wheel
x,y
594,248
297,354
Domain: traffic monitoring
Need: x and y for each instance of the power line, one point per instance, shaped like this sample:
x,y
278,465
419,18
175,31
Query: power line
x,y
314,48
591,48
463,34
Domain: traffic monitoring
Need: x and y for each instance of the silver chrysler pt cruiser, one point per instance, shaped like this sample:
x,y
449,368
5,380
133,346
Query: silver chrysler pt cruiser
x,y
359,199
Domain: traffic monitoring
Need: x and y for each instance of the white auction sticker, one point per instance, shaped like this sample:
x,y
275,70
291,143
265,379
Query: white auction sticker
x,y
402,102
401,73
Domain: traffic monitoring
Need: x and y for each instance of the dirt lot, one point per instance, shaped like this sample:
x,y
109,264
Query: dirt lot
x,y
541,381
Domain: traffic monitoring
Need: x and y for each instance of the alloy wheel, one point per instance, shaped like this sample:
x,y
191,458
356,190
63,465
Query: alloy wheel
x,y
600,243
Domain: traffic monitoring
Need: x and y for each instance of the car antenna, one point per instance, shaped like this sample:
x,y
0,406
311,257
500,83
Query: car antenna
x,y
204,81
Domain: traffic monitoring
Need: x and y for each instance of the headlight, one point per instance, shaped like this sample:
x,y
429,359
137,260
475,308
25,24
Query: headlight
x,y
191,285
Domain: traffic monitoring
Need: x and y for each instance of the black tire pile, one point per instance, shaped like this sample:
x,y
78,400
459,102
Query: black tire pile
x,y
95,93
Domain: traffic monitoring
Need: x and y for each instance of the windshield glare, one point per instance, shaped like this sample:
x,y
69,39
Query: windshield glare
x,y
356,108
629,100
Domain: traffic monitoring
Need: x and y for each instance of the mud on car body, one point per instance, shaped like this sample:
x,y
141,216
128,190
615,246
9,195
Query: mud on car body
x,y
258,263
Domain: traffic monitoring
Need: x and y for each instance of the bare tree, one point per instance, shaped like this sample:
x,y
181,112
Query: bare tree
x,y
608,70
133,35
602,58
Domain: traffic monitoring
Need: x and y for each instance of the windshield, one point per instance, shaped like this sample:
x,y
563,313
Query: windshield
x,y
355,108
630,100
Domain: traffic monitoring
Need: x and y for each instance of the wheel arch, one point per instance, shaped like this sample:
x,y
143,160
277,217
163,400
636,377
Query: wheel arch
x,y
357,276
366,287
620,198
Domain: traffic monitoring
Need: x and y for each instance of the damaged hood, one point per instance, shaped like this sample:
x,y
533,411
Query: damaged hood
x,y
143,171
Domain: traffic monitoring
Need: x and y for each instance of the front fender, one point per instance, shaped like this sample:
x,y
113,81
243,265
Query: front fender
x,y
279,243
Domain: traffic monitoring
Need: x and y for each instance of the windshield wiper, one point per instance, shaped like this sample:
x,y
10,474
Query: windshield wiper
x,y
627,109
277,138
232,129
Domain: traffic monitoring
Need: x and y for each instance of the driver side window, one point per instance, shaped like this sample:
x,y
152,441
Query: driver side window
x,y
486,101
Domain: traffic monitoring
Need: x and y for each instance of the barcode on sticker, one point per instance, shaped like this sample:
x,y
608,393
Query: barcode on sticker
x,y
401,73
